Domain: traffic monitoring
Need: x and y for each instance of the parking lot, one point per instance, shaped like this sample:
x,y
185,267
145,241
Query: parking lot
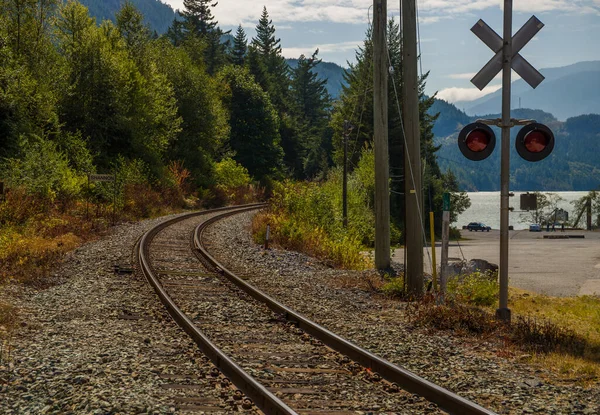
x,y
558,267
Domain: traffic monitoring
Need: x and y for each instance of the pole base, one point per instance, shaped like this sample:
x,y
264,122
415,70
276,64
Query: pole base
x,y
503,314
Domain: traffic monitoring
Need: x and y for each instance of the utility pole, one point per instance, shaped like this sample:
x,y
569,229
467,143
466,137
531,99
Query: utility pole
x,y
346,133
412,153
503,312
380,120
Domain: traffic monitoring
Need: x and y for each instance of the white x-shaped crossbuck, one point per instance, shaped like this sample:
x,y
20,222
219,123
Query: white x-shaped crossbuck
x,y
495,43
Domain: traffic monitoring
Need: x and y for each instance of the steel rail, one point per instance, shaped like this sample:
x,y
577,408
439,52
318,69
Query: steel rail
x,y
262,397
407,380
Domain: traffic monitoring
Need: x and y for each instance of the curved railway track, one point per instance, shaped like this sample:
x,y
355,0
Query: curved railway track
x,y
280,361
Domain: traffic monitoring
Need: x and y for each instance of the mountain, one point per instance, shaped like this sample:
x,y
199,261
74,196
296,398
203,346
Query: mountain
x,y
573,164
333,72
566,92
158,15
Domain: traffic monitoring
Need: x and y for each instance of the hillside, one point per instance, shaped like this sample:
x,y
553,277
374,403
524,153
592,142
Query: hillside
x,y
158,15
573,165
566,92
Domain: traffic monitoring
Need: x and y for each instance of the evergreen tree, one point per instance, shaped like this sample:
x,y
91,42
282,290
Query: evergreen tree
x,y
254,135
136,34
200,22
176,32
311,104
240,47
268,49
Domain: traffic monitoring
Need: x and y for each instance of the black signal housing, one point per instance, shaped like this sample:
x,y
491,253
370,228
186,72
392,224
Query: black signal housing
x,y
534,142
476,141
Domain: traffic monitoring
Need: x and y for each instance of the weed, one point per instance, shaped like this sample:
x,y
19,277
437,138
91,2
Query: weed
x,y
478,288
394,287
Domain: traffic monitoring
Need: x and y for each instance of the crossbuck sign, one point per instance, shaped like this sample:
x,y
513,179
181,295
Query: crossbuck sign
x,y
495,43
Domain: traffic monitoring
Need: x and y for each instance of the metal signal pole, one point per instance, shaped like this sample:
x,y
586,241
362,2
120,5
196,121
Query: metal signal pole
x,y
412,155
503,312
380,121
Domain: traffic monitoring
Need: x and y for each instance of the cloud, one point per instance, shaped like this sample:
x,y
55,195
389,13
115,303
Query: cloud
x,y
465,94
232,12
323,48
470,75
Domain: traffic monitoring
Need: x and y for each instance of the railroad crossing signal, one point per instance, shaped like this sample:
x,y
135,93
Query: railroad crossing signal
x,y
495,43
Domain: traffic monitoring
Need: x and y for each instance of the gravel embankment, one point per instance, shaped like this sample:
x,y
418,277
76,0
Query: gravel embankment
x,y
472,369
98,342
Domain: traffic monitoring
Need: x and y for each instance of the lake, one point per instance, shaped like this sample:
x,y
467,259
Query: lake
x,y
485,207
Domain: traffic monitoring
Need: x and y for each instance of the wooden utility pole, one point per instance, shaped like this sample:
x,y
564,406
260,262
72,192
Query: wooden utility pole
x,y
412,153
380,120
345,179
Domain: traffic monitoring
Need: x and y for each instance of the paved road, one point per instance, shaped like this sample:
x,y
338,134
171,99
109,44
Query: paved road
x,y
558,267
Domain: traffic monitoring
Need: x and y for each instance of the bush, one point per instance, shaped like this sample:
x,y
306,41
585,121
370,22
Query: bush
x,y
42,170
477,289
394,287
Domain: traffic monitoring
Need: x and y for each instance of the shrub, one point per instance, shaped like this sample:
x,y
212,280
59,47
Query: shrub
x,y
42,170
394,287
477,289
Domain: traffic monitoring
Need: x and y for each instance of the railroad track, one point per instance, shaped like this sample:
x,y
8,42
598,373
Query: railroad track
x,y
272,359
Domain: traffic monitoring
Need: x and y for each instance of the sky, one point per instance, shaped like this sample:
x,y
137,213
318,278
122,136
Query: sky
x,y
449,51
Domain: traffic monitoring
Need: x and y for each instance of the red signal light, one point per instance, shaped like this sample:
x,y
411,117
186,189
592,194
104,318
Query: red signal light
x,y
476,141
534,142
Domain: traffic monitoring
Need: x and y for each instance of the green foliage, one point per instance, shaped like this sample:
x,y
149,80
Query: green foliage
x,y
42,170
230,175
200,23
479,289
204,127
306,150
240,47
330,72
394,287
254,135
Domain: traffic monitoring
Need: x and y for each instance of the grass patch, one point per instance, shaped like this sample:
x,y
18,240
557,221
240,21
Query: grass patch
x,y
561,334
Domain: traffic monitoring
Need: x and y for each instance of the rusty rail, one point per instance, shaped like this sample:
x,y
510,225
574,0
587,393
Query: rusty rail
x,y
407,380
261,397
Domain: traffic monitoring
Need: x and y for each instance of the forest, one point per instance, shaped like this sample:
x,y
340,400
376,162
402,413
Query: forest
x,y
185,120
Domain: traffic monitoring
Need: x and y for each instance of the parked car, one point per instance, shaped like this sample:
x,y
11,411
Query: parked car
x,y
535,227
478,226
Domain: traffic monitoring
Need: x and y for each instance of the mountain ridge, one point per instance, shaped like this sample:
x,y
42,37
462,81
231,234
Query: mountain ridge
x,y
577,85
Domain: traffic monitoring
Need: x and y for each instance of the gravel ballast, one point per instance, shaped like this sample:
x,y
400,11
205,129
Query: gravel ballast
x,y
98,342
470,368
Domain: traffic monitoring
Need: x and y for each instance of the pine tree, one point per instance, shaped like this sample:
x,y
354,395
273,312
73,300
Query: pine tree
x,y
268,49
199,22
265,41
240,47
309,93
198,16
311,104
